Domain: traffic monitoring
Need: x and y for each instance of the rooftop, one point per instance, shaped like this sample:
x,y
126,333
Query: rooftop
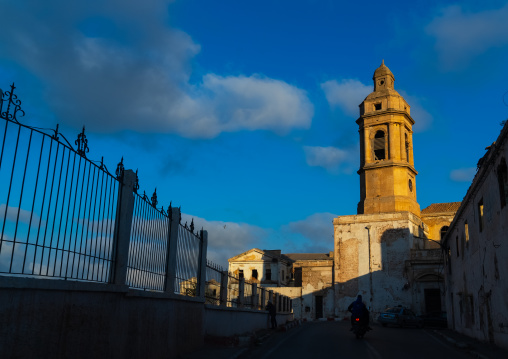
x,y
441,207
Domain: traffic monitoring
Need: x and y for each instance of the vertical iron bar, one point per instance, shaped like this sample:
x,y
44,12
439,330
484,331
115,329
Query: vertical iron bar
x,y
31,213
42,208
83,224
98,223
62,211
3,143
49,210
67,217
19,210
79,212
93,221
9,192
107,257
33,205
88,224
56,204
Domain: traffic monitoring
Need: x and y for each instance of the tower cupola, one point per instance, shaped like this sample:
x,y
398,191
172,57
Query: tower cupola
x,y
387,173
383,78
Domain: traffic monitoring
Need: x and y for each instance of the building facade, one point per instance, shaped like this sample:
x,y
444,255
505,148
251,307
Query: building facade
x,y
477,252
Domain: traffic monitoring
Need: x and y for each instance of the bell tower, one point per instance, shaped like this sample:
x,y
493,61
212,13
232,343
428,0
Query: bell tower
x,y
387,173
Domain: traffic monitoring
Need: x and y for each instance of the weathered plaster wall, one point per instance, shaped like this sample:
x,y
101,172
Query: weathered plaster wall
x,y
317,280
372,262
477,269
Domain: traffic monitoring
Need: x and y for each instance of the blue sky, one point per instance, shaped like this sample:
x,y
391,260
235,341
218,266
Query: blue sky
x,y
244,112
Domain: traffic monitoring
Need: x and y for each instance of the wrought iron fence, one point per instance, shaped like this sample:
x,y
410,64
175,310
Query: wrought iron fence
x,y
247,294
188,256
148,246
58,214
57,208
261,305
233,295
214,275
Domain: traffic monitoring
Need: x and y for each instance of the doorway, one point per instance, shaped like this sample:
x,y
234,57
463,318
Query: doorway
x,y
432,300
319,306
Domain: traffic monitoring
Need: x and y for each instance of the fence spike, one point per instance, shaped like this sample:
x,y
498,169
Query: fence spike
x,y
154,198
136,183
82,144
55,136
119,169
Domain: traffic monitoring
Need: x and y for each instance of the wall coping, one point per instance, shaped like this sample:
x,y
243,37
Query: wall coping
x,y
7,282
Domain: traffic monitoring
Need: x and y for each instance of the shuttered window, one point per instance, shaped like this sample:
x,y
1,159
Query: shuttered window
x,y
379,146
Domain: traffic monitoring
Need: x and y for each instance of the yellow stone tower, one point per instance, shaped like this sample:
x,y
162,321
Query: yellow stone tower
x,y
387,173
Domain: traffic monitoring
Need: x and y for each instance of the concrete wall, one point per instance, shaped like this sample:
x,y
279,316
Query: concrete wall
x,y
226,322
477,266
57,319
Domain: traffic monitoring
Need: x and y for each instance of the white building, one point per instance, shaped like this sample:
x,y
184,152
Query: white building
x,y
477,252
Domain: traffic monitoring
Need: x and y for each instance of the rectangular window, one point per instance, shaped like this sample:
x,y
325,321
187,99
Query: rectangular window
x,y
377,106
255,274
502,178
480,214
268,274
240,273
466,231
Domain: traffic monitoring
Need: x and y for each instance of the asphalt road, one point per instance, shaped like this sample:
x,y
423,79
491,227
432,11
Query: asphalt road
x,y
330,339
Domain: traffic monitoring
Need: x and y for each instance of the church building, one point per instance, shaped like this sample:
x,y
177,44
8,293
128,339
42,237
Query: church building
x,y
389,251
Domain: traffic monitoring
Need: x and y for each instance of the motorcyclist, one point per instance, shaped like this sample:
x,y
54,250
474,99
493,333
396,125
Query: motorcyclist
x,y
359,310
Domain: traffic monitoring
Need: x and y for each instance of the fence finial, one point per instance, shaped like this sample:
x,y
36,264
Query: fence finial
x,y
136,183
11,99
119,169
154,198
82,144
192,225
55,136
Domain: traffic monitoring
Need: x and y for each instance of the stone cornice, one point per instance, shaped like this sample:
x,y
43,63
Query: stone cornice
x,y
388,111
387,163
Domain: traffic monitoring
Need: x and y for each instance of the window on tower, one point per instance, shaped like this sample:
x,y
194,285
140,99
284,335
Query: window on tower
x,y
407,149
379,146
377,106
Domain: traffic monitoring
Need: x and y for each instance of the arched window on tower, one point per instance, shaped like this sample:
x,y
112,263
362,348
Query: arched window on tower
x,y
379,146
443,231
407,149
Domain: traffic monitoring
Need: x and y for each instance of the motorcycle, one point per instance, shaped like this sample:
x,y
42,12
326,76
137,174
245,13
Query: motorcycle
x,y
359,328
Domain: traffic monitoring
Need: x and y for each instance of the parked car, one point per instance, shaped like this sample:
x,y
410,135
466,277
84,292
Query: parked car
x,y
399,316
435,319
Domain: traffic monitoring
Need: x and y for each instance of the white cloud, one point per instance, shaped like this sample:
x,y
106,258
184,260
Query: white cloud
x,y
349,93
228,239
133,73
461,36
346,94
16,214
234,103
463,174
331,158
317,230
423,119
